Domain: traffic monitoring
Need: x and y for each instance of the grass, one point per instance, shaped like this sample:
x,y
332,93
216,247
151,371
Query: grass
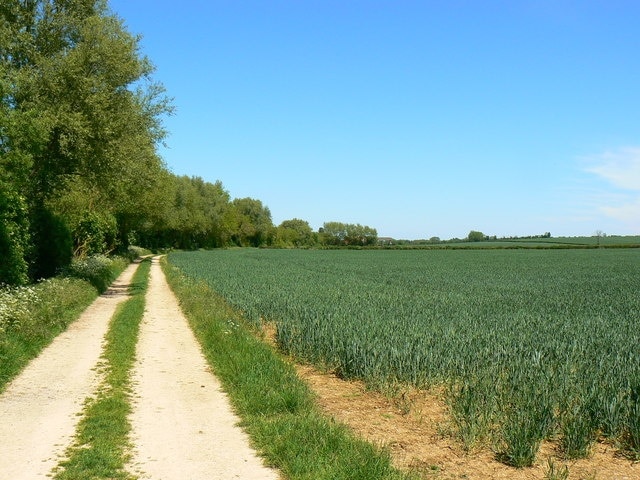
x,y
555,472
277,408
100,450
31,317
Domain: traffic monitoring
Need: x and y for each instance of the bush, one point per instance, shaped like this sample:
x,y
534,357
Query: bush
x,y
99,270
134,252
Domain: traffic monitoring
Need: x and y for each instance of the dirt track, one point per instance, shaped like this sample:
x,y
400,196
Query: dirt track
x,y
183,426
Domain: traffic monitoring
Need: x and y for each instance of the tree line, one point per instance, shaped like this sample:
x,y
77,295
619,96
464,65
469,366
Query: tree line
x,y
80,123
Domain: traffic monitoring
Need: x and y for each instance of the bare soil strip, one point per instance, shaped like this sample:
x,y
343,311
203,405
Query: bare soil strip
x,y
182,424
39,409
417,440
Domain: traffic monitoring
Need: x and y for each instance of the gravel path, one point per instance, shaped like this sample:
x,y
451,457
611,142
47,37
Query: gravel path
x,y
183,427
39,409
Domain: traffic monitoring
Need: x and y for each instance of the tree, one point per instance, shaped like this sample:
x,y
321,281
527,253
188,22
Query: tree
x,y
475,236
72,80
216,203
77,106
14,237
338,233
254,226
196,215
333,233
295,233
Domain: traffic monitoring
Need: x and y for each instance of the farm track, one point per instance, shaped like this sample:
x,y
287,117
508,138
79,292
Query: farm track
x,y
182,423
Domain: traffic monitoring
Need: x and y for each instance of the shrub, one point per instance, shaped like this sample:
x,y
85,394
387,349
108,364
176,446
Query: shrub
x,y
99,270
134,252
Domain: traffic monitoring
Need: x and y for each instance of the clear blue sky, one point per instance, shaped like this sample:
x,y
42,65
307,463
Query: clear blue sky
x,y
418,118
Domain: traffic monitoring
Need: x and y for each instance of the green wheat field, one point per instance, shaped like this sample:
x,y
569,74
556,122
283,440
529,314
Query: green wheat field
x,y
530,345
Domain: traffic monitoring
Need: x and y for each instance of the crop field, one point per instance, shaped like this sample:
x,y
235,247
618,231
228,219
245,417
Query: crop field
x,y
530,345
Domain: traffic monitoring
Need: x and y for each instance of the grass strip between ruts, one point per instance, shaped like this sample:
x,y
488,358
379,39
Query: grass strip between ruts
x,y
100,450
277,409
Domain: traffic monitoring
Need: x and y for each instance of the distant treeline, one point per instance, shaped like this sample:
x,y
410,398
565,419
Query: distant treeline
x,y
473,236
80,122
542,241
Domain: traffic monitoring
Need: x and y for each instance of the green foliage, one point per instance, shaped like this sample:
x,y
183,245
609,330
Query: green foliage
x,y
196,216
53,245
85,63
337,233
98,270
94,234
79,120
253,225
134,252
295,233
14,237
475,236
533,344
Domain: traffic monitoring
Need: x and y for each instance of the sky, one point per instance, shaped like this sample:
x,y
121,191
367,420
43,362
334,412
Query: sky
x,y
417,118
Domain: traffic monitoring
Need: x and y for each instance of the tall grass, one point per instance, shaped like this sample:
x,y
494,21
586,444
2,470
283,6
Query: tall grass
x,y
533,344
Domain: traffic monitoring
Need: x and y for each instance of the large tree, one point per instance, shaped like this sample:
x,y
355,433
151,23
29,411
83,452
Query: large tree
x,y
79,114
253,224
295,233
476,236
